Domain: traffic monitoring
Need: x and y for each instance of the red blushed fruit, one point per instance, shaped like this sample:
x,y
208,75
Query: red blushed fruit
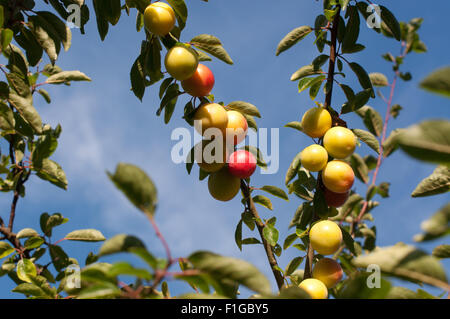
x,y
201,83
241,164
335,199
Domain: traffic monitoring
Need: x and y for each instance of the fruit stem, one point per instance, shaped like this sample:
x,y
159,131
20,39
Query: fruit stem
x,y
260,225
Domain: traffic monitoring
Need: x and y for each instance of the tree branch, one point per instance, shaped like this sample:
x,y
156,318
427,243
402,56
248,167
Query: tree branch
x,y
260,225
330,82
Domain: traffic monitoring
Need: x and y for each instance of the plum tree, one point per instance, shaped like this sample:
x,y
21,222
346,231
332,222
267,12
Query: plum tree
x,y
181,62
314,158
29,32
316,121
237,127
223,186
241,164
200,83
328,271
338,176
339,142
315,288
325,237
211,115
159,18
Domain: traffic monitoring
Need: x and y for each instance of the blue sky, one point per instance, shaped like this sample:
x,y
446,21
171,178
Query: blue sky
x,y
103,124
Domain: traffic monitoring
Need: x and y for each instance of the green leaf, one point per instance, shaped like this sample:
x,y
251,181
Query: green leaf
x,y
124,268
250,241
436,226
230,269
359,167
352,30
91,235
348,241
402,293
320,61
26,109
391,22
289,240
404,261
436,183
378,79
292,38
67,76
27,232
7,121
275,191
244,107
45,95
25,270
127,243
442,251
293,265
295,125
2,17
7,35
59,257
368,138
438,82
305,71
5,249
372,119
181,11
137,77
30,289
101,290
112,10
136,185
238,235
52,172
362,76
46,36
102,22
390,145
262,200
212,45
170,98
33,242
271,234
48,222
357,288
305,83
293,168
427,141
44,148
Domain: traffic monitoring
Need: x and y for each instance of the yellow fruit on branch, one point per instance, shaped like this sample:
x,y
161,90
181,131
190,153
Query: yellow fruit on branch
x,y
325,237
315,288
314,158
338,176
316,121
328,271
339,142
181,62
223,186
159,18
211,115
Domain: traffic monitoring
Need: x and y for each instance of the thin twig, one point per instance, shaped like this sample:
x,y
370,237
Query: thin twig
x,y
330,81
260,225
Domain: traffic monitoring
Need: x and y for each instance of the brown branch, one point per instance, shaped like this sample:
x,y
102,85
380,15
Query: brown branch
x,y
260,225
329,95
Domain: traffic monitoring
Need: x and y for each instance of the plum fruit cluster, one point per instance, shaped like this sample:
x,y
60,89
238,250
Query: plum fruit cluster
x,y
221,128
336,178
